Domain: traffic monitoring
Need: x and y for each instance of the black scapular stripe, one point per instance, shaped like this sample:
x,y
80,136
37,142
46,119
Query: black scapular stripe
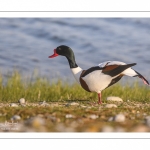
x,y
91,70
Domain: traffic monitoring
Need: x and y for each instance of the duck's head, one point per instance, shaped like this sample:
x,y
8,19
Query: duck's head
x,y
67,52
63,51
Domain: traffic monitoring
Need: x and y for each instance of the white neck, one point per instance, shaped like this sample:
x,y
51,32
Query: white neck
x,y
77,72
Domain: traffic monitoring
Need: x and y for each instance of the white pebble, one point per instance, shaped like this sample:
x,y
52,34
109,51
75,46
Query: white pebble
x,y
15,117
147,121
114,98
69,116
22,101
107,129
111,106
111,119
93,116
119,118
74,104
44,103
13,105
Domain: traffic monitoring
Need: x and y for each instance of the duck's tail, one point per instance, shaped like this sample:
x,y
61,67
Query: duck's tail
x,y
132,73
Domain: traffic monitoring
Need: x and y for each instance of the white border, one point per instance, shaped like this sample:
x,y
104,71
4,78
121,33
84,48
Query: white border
x,y
76,135
74,14
74,5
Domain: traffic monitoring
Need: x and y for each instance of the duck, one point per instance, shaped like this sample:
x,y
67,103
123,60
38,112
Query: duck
x,y
97,78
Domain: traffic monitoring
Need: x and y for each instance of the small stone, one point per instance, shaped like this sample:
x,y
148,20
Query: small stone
x,y
93,117
74,104
22,101
107,129
114,98
111,106
147,121
15,117
54,119
69,116
83,106
13,105
144,114
119,118
111,119
44,104
35,122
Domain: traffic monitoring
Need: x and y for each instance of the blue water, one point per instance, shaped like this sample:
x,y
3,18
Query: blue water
x,y
26,43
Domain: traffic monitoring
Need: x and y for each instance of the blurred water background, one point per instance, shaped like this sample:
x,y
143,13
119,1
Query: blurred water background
x,y
26,43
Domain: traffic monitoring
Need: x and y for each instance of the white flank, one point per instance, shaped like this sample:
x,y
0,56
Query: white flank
x,y
97,81
76,73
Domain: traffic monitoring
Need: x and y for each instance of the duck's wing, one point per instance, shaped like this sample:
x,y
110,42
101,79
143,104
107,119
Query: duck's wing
x,y
114,69
111,68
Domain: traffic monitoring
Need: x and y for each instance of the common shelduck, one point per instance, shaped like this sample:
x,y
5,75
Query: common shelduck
x,y
100,77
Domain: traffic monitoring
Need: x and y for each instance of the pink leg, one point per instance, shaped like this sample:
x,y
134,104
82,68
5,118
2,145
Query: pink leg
x,y
99,98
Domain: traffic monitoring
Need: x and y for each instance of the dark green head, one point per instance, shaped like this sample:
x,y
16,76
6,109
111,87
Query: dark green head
x,y
67,52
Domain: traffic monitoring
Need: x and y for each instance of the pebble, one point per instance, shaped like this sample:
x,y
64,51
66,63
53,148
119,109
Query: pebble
x,y
54,119
147,121
114,98
44,104
22,101
13,105
119,118
70,116
35,122
107,129
111,106
15,117
74,104
83,106
111,119
93,116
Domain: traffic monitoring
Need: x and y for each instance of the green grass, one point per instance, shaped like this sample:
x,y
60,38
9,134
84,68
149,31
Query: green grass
x,y
60,94
15,87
